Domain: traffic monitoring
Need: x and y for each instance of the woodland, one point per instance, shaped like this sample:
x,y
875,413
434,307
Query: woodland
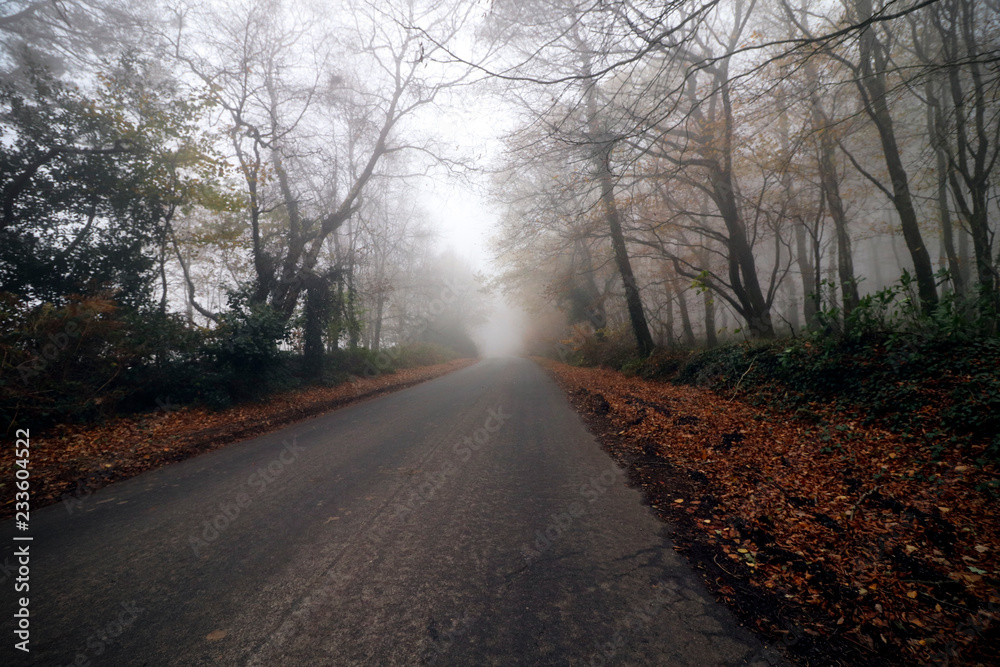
x,y
759,236
203,205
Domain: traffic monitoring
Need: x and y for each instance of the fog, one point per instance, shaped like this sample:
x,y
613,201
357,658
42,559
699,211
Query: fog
x,y
503,334
430,172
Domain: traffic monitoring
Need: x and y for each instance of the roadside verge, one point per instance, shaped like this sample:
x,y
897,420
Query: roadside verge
x,y
838,541
70,462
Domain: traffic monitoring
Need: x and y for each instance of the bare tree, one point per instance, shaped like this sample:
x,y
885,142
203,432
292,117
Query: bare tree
x,y
278,113
576,38
964,125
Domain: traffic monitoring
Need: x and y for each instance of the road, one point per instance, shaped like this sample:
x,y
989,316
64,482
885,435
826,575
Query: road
x,y
470,520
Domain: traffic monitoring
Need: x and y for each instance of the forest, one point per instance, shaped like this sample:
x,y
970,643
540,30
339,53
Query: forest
x,y
792,198
193,196
754,168
751,242
213,203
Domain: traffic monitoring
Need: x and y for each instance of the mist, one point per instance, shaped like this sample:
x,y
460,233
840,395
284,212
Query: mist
x,y
367,177
504,331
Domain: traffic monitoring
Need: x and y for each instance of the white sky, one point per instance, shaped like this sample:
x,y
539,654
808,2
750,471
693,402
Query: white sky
x,y
459,206
471,126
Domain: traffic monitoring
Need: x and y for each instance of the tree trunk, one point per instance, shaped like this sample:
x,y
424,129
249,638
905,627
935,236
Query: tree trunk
x,y
831,190
637,317
711,335
603,146
937,136
872,86
685,319
810,300
792,311
317,315
742,266
377,322
669,324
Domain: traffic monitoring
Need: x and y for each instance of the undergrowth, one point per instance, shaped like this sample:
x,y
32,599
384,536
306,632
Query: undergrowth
x,y
930,377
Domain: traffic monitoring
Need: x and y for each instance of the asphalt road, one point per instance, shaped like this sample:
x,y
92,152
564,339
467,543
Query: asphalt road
x,y
470,520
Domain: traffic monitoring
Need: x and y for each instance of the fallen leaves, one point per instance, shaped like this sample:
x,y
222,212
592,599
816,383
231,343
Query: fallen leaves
x,y
863,533
71,462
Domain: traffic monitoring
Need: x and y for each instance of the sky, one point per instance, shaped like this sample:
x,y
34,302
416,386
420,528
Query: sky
x,y
463,217
470,126
460,207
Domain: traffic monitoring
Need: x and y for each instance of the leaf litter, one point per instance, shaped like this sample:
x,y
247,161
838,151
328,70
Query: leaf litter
x,y
846,543
71,461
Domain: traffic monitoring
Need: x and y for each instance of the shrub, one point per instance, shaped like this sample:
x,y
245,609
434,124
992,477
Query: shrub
x,y
91,358
245,348
613,348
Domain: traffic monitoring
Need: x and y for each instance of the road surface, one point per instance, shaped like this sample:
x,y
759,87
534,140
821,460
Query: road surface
x,y
470,520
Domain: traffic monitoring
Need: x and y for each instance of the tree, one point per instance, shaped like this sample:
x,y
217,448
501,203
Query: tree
x,y
871,68
307,147
964,128
69,35
698,147
88,185
570,38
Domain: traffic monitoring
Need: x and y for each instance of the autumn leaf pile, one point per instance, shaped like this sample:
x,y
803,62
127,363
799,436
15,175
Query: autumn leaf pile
x,y
71,461
849,532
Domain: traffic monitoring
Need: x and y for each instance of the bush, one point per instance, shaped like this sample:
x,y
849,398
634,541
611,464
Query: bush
x,y
245,350
933,376
611,348
342,364
925,389
91,358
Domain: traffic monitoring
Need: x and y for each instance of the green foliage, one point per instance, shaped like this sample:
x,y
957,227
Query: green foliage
x,y
614,349
946,391
422,354
245,348
894,315
86,184
90,358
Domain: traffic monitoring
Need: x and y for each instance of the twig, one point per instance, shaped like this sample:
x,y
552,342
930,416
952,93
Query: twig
x,y
740,381
864,496
735,576
859,644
